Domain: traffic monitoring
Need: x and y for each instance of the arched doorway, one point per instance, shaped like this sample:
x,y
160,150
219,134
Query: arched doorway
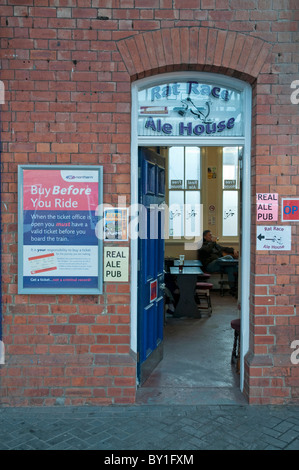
x,y
152,128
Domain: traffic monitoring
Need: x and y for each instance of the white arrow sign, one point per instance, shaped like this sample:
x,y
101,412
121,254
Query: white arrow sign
x,y
274,238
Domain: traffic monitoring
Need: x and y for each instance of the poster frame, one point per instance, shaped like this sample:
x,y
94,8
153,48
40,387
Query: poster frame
x,y
57,290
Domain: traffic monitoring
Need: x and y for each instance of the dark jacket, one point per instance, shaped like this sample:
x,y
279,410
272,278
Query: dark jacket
x,y
211,251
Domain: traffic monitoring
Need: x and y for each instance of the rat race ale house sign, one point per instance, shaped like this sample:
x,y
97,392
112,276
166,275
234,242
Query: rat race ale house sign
x,y
59,250
190,109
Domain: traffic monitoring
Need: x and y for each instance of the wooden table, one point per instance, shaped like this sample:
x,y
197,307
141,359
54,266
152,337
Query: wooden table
x,y
186,307
229,262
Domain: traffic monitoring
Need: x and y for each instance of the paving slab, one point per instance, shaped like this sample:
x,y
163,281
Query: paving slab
x,y
150,427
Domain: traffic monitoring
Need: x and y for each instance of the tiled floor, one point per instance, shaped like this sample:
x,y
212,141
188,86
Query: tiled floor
x,y
196,368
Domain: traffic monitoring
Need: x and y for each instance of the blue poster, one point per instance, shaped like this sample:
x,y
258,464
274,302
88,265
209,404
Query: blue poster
x,y
60,248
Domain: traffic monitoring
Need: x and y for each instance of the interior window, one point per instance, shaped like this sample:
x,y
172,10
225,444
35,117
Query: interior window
x,y
230,191
184,186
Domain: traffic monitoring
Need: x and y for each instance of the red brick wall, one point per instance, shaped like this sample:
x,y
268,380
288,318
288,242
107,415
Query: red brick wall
x,y
67,66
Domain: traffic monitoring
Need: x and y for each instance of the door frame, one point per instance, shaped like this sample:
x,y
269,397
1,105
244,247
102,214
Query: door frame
x,y
200,141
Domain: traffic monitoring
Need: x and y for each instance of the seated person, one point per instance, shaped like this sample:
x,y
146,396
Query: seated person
x,y
211,253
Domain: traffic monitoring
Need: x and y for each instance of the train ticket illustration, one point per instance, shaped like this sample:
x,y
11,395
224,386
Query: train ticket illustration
x,y
42,263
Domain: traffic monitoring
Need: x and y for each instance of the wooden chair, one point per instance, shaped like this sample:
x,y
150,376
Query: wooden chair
x,y
203,297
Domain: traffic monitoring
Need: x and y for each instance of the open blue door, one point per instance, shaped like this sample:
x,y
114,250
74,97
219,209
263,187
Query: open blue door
x,y
150,262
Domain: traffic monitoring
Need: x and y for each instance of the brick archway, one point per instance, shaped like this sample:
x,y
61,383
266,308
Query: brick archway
x,y
203,49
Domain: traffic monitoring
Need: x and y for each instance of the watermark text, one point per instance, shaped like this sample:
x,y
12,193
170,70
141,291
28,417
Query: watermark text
x,y
2,352
295,94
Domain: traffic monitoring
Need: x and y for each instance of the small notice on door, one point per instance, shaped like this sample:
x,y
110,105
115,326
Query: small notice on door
x,y
153,290
116,264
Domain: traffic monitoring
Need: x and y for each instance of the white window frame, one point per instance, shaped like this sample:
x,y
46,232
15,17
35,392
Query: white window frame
x,y
184,189
245,141
228,238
